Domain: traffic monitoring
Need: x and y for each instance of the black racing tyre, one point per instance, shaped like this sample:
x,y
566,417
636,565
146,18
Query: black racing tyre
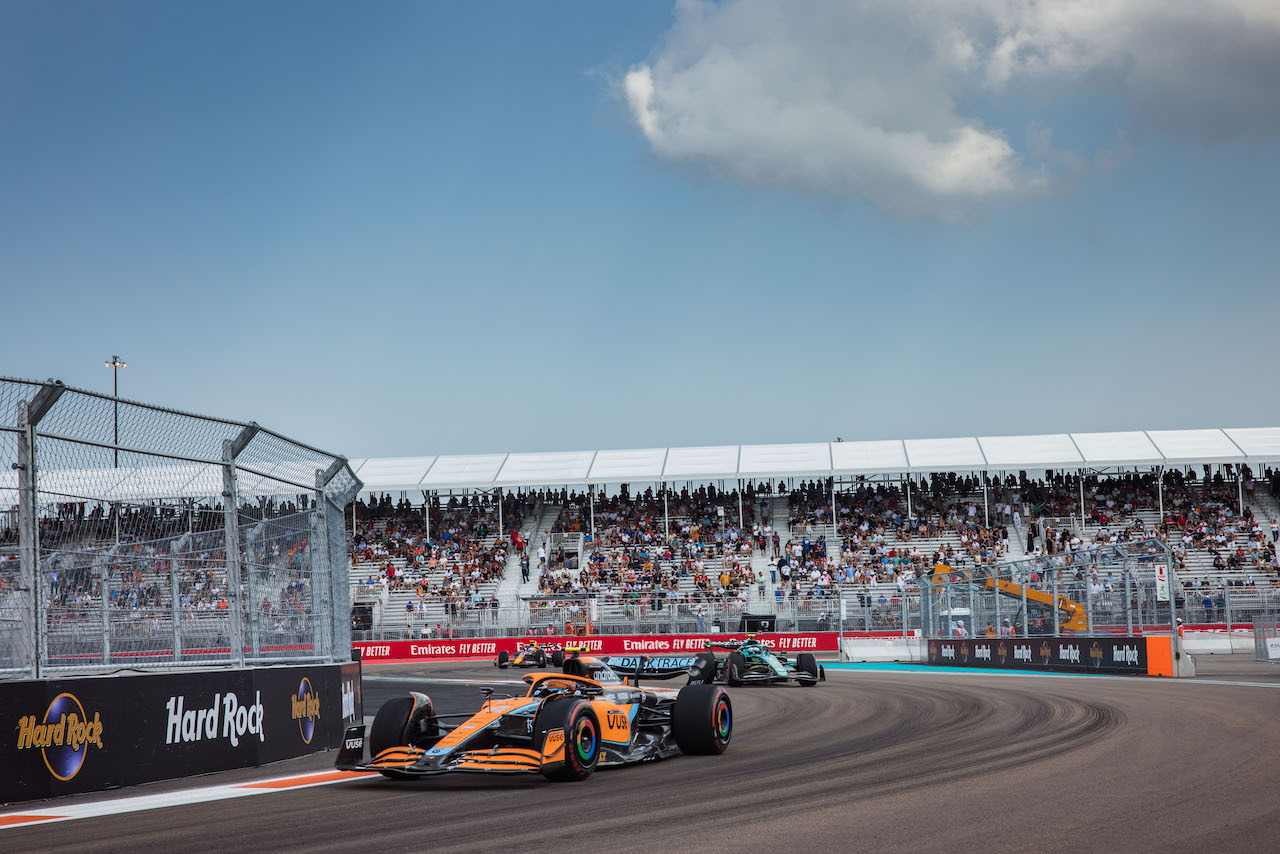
x,y
389,725
734,668
702,720
704,672
542,659
806,663
404,721
504,658
581,734
557,658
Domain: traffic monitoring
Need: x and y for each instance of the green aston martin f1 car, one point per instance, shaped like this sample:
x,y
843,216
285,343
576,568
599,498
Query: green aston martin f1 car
x,y
751,662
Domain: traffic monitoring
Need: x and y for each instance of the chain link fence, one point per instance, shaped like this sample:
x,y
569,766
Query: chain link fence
x,y
135,536
1106,590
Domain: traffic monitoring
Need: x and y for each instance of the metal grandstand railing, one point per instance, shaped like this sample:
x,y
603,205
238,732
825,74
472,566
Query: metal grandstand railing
x,y
136,536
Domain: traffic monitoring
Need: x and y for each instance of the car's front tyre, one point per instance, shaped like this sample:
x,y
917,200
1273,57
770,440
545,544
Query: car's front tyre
x,y
581,733
702,720
734,668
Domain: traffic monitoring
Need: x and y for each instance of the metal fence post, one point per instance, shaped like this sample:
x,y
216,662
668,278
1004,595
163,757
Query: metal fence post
x,y
104,582
231,534
1057,627
973,624
1025,619
1128,601
177,610
1226,601
1088,604
322,614
995,577
29,545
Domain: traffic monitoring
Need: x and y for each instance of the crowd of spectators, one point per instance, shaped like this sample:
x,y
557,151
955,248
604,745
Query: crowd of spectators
x,y
453,563
144,550
644,547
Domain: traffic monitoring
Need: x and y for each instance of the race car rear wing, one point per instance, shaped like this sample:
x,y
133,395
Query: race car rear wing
x,y
657,667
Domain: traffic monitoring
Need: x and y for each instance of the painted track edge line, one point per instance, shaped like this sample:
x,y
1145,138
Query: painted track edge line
x,y
182,797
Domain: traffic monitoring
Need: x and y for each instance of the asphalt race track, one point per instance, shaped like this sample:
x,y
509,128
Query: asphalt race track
x,y
871,760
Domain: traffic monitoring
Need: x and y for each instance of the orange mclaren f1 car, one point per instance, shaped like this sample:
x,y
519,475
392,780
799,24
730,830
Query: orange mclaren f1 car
x,y
564,726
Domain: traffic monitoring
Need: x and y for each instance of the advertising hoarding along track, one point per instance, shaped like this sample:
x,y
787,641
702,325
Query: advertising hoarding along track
x,y
459,649
66,736
1072,655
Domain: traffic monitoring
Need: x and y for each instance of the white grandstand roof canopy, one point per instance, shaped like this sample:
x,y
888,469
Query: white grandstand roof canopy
x,y
1134,448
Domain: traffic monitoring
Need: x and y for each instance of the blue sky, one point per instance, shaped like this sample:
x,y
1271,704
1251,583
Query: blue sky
x,y
415,228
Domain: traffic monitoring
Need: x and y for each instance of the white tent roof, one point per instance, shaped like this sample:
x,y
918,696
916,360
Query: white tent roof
x,y
1261,444
887,456
945,455
394,470
795,460
458,472
642,465
1103,450
540,469
701,463
1135,448
1181,447
1053,450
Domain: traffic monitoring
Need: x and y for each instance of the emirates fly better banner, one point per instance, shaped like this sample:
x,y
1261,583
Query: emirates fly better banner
x,y
457,648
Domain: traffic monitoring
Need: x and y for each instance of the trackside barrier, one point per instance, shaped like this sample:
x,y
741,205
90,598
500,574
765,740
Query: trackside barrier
x,y
1152,655
886,649
65,736
468,648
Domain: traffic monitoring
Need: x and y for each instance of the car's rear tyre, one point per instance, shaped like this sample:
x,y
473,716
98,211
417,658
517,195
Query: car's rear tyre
x,y
806,663
734,668
504,658
557,658
704,672
702,720
581,738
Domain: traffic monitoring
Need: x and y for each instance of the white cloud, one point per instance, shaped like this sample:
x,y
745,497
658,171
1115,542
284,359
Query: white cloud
x,y
869,98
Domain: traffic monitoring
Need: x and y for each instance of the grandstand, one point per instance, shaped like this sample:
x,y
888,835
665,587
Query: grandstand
x,y
789,529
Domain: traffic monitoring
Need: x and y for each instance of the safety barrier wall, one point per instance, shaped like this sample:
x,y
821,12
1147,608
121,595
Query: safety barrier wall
x,y
64,736
472,648
1129,655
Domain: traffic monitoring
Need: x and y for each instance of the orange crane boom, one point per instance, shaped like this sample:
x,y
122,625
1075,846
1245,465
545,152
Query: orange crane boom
x,y
1075,618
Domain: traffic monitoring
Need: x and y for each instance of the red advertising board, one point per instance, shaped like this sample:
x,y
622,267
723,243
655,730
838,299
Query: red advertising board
x,y
456,649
